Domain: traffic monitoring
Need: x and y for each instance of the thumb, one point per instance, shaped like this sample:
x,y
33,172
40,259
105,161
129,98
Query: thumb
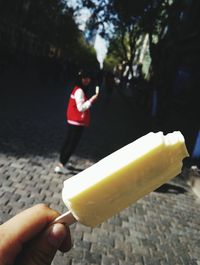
x,y
42,250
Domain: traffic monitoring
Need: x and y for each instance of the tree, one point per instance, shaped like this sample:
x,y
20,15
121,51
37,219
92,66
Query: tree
x,y
128,23
48,23
47,19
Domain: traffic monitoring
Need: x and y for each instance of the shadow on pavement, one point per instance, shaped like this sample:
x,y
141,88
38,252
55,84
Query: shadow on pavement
x,y
171,188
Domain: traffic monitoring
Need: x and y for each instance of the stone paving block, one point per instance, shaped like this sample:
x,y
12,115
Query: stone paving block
x,y
83,228
98,248
136,259
5,212
91,257
109,260
106,241
108,227
2,192
90,237
78,262
62,260
117,253
82,244
153,261
115,220
16,165
123,245
118,235
129,263
8,189
4,200
122,231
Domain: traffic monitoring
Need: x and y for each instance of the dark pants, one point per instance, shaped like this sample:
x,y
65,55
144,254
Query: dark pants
x,y
74,133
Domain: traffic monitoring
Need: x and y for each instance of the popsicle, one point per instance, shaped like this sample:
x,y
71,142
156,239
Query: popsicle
x,y
120,179
97,90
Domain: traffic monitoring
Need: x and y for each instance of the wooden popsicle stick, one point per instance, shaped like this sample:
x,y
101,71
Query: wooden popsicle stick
x,y
66,218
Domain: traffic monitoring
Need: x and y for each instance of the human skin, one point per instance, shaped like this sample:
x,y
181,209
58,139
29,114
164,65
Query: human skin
x,y
29,238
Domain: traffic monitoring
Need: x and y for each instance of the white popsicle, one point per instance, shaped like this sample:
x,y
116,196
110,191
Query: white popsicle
x,y
97,90
120,179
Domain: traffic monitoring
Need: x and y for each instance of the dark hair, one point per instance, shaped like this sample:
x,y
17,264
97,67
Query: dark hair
x,y
82,74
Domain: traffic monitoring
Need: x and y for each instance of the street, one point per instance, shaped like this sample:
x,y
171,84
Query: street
x,y
163,228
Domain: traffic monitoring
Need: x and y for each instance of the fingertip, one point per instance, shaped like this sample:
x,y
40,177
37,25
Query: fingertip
x,y
57,234
66,244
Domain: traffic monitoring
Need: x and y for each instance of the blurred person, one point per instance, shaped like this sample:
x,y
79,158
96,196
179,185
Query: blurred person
x,y
78,117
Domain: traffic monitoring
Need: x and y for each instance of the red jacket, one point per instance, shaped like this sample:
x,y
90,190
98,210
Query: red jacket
x,y
74,116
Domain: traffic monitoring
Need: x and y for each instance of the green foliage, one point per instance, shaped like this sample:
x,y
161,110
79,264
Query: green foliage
x,y
110,62
115,53
84,54
131,20
47,19
50,22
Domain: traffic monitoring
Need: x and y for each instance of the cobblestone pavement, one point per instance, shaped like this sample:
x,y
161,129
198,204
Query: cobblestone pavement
x,y
162,228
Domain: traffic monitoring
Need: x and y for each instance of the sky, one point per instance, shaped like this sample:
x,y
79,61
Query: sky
x,y
100,44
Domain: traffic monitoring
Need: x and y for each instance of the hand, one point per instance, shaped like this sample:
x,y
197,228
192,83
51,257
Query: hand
x,y
28,239
93,98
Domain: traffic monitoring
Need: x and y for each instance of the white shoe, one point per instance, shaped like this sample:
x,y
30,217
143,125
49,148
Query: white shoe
x,y
60,170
